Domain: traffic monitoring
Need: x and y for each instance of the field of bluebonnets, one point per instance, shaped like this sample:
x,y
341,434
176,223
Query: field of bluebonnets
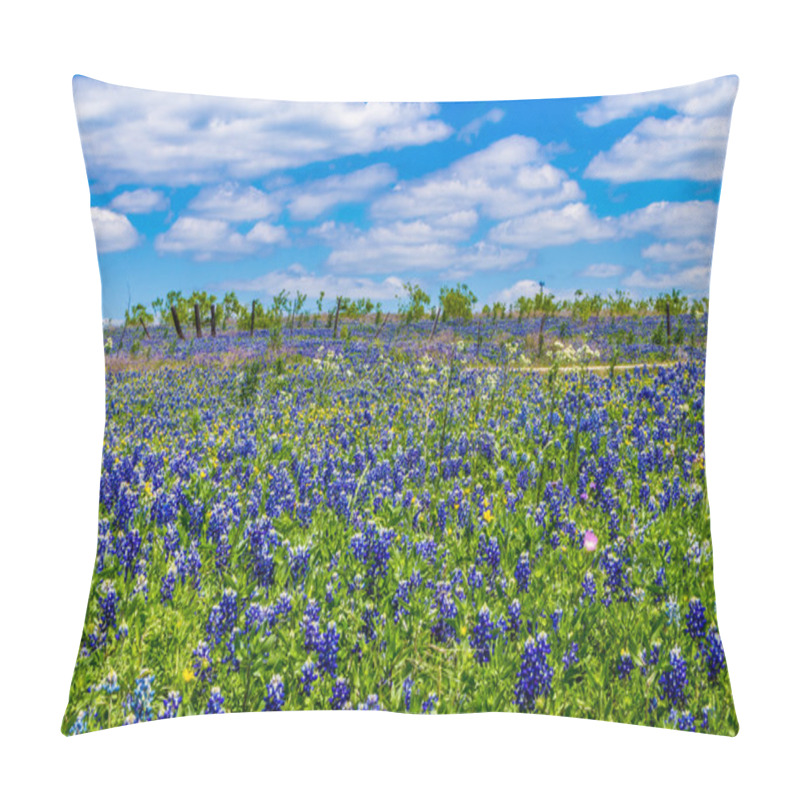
x,y
497,512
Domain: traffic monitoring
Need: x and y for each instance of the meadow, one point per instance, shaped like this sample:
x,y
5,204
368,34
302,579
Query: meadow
x,y
488,514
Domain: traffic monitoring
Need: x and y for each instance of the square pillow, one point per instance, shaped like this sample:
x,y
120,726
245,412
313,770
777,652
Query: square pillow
x,y
404,407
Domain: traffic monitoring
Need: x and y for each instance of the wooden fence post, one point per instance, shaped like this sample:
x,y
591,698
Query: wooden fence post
x,y
336,319
144,328
436,321
669,328
253,318
176,322
197,328
213,320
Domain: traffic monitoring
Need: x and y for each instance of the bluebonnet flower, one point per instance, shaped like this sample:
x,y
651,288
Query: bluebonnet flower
x,y
481,639
222,556
171,705
276,694
672,610
696,619
522,572
298,563
308,675
215,702
140,701
589,588
446,611
329,650
284,604
371,704
408,685
675,680
489,552
168,584
310,627
535,674
108,601
474,578
571,655
556,618
713,654
624,665
430,703
81,724
222,617
515,616
686,722
340,694
203,663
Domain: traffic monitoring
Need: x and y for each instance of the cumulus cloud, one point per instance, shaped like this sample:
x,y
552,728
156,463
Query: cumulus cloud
x,y
419,244
315,197
297,279
209,238
691,219
139,201
160,138
574,222
708,98
676,252
692,280
113,232
602,271
511,176
234,203
679,147
473,128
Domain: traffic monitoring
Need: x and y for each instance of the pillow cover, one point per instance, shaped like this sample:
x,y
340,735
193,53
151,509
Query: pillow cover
x,y
404,407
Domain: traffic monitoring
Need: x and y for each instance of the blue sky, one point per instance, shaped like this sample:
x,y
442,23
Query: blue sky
x,y
194,192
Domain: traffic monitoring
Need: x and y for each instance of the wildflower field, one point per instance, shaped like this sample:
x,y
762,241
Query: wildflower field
x,y
495,515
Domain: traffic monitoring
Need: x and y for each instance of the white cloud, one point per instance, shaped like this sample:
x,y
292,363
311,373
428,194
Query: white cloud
x,y
264,233
313,198
675,252
679,147
472,129
434,244
692,280
602,271
572,223
208,238
139,201
576,222
136,136
510,177
691,219
234,203
297,278
113,232
708,98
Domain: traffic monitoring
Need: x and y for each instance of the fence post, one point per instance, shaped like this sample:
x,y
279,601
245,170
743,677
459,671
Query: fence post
x,y
669,329
176,322
436,321
253,318
213,319
197,329
336,319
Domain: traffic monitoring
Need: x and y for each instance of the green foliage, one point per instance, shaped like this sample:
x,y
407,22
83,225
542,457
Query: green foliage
x,y
457,302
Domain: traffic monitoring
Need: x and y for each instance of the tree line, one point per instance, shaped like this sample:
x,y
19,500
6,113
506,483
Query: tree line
x,y
202,311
